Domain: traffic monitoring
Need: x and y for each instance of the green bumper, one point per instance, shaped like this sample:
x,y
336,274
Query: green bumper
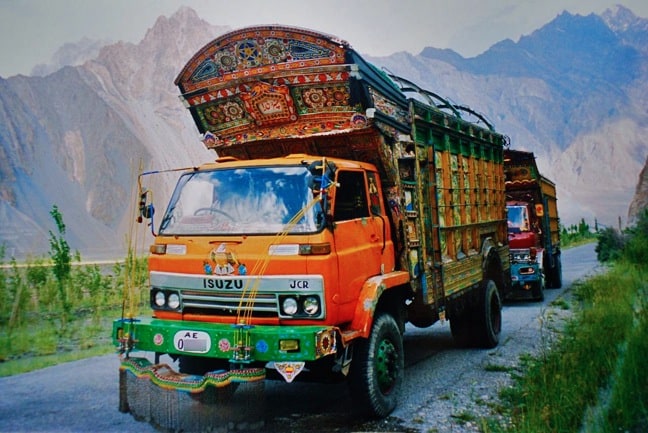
x,y
225,341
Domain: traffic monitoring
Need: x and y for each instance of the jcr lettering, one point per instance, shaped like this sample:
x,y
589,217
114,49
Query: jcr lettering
x,y
299,284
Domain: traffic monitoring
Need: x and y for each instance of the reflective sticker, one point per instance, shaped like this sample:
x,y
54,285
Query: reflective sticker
x,y
289,370
224,345
262,346
325,343
158,339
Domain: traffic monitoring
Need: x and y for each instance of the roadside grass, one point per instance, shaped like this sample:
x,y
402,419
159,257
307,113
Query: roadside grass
x,y
45,320
25,365
592,379
577,235
42,343
572,243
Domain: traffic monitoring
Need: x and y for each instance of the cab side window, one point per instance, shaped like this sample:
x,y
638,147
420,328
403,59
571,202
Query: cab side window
x,y
350,196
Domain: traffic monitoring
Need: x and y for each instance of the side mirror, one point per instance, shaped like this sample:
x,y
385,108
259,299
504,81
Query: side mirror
x,y
146,209
322,177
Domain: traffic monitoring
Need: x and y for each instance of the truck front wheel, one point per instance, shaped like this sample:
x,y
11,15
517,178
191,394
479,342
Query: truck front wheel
x,y
377,369
538,289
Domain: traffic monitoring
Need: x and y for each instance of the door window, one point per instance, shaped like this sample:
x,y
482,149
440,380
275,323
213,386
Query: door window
x,y
350,196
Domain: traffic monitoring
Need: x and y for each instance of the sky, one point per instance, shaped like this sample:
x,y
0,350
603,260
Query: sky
x,y
31,31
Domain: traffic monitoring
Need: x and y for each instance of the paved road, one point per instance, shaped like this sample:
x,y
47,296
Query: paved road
x,y
444,385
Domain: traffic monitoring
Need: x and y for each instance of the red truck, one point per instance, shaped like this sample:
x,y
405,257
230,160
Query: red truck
x,y
339,208
533,227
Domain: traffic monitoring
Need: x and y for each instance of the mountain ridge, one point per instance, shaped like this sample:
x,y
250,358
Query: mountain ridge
x,y
78,137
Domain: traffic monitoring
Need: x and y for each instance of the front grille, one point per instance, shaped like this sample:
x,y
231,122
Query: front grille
x,y
229,304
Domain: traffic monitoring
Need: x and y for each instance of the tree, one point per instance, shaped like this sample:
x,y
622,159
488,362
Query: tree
x,y
62,260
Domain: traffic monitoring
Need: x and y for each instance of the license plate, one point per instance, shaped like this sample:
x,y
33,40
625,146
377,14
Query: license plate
x,y
192,341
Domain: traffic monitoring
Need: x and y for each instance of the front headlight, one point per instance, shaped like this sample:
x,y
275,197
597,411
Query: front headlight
x,y
174,301
311,305
289,306
159,298
527,271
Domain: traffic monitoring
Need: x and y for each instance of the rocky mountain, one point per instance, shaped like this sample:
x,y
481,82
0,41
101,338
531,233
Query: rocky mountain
x,y
70,54
574,92
78,137
640,198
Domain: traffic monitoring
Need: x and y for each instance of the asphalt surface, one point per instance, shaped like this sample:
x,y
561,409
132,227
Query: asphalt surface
x,y
446,389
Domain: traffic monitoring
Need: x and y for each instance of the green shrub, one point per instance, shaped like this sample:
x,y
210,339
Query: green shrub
x,y
610,245
636,248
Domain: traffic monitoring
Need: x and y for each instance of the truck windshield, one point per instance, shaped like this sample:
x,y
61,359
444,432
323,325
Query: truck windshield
x,y
252,200
518,219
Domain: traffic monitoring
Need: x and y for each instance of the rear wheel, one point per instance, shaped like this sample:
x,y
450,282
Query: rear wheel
x,y
556,273
377,369
481,324
489,316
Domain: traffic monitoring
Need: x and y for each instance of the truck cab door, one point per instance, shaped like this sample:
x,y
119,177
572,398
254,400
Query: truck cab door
x,y
359,232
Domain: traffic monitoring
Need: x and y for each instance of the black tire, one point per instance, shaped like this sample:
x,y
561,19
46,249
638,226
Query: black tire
x,y
548,270
538,290
489,316
556,273
377,368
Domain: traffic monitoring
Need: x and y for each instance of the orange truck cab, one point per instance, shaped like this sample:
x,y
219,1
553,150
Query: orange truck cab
x,y
337,210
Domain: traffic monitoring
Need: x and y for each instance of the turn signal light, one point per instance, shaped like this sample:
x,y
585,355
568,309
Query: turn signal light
x,y
158,249
314,249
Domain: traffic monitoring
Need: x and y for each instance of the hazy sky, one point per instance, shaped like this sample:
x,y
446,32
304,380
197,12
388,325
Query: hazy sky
x,y
32,30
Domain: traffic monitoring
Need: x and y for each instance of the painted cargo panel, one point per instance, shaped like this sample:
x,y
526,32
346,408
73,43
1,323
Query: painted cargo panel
x,y
270,91
462,199
548,189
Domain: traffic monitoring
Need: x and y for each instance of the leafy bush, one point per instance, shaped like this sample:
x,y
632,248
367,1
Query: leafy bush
x,y
636,248
610,245
631,245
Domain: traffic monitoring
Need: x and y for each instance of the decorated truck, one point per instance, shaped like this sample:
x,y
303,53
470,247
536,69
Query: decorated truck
x,y
533,227
342,203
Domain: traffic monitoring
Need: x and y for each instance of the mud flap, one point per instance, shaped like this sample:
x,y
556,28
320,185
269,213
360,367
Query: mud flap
x,y
219,401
